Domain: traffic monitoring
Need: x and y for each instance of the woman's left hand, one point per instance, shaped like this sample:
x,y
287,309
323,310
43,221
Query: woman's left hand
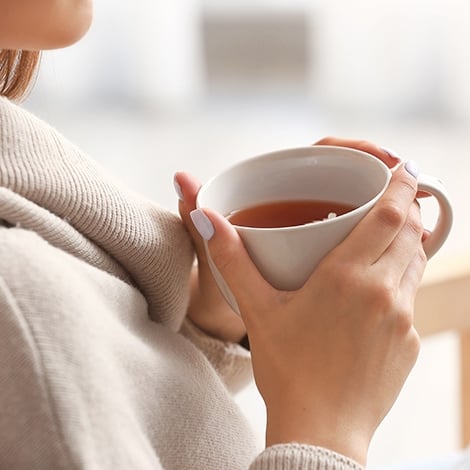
x,y
207,308
387,156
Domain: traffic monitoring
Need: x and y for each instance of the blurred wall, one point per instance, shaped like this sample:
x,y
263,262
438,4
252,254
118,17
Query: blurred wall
x,y
394,56
145,53
367,57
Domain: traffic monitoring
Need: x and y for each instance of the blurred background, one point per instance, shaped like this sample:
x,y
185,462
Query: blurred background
x,y
159,86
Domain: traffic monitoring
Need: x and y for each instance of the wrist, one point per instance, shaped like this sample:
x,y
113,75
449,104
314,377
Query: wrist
x,y
211,314
225,328
297,423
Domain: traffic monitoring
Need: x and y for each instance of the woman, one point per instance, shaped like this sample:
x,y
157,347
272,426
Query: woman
x,y
117,353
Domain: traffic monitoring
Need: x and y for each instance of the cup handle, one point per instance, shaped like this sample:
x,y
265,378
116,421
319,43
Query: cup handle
x,y
443,225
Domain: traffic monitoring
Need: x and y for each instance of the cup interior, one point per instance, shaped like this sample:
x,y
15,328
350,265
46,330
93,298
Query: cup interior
x,y
319,172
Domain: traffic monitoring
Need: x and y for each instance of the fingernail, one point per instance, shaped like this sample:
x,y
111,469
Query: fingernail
x,y
178,190
391,153
202,223
412,168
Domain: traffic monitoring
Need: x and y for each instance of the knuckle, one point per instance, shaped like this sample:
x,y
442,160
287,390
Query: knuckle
x,y
422,257
342,276
391,214
381,295
378,294
414,223
414,341
409,185
403,321
410,343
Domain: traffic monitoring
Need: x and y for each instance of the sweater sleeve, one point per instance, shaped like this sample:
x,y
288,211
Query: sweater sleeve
x,y
302,457
64,401
26,414
231,361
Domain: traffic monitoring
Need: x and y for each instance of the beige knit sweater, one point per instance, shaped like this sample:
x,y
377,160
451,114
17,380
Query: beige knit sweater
x,y
98,367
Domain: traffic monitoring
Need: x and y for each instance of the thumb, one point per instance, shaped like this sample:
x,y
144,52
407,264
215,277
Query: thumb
x,y
229,255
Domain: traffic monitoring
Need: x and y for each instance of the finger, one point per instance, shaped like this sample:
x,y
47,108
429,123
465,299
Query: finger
x,y
426,235
397,257
412,277
387,156
423,194
232,260
187,187
377,230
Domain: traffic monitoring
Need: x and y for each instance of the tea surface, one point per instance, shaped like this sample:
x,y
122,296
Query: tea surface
x,y
287,213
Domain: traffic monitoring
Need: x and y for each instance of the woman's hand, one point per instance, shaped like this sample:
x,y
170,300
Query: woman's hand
x,y
331,358
387,156
207,308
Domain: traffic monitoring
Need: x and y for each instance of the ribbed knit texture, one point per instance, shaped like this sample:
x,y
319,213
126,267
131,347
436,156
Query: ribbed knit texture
x,y
302,457
147,242
98,367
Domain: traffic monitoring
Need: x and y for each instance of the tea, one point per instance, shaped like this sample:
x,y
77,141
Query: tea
x,y
287,213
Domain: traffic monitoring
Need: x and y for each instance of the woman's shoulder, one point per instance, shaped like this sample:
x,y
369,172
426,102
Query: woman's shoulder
x,y
27,136
14,114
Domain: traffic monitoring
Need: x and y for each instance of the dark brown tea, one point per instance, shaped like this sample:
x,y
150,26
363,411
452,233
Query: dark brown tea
x,y
287,213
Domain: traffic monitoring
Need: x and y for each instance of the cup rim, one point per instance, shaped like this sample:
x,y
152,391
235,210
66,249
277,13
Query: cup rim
x,y
282,153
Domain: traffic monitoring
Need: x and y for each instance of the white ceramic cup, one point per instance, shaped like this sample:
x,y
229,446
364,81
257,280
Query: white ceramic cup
x,y
287,256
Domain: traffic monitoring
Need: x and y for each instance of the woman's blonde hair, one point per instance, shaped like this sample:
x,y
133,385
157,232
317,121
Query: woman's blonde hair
x,y
17,72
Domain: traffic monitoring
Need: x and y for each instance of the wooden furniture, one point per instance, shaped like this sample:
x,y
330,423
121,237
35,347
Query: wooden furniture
x,y
443,304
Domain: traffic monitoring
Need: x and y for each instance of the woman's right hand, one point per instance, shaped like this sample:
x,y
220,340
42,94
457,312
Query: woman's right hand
x,y
330,359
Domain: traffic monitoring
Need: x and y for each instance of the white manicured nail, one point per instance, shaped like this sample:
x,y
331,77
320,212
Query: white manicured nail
x,y
202,223
178,190
412,168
